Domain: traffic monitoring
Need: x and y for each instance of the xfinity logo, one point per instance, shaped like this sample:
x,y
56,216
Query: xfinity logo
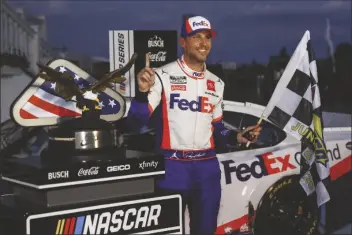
x,y
58,175
146,164
118,168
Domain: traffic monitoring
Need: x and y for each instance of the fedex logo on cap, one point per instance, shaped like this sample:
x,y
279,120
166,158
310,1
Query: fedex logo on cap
x,y
202,23
199,22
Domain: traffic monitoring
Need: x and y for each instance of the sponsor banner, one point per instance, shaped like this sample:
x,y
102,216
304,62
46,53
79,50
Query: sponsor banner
x,y
104,169
83,173
145,216
162,44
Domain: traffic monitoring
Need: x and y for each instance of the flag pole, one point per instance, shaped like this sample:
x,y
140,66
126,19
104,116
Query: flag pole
x,y
258,123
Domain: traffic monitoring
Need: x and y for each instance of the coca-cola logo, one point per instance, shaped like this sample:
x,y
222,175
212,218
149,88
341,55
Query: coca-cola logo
x,y
158,57
91,171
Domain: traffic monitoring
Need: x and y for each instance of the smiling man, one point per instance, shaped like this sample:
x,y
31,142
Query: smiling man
x,y
191,117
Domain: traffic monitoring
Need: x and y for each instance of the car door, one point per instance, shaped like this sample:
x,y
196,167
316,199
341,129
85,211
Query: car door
x,y
248,172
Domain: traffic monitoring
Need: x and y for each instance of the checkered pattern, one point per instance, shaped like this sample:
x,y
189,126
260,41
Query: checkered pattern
x,y
296,104
296,108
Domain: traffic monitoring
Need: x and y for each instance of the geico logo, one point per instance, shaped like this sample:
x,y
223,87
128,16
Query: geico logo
x,y
58,175
118,168
264,165
201,23
108,222
201,105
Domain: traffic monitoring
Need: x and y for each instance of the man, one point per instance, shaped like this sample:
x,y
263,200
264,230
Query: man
x,y
191,117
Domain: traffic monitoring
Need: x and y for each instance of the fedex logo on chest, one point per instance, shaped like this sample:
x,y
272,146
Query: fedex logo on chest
x,y
201,105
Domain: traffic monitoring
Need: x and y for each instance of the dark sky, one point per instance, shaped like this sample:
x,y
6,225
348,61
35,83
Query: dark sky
x,y
246,30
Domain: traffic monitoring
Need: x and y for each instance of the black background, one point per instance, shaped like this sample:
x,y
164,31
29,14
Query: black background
x,y
141,38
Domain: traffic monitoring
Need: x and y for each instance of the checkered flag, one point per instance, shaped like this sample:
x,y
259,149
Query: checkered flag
x,y
295,107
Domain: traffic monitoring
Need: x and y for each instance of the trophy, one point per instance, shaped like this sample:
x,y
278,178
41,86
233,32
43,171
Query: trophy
x,y
87,137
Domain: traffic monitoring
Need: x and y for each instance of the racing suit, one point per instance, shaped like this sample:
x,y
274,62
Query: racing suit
x,y
190,118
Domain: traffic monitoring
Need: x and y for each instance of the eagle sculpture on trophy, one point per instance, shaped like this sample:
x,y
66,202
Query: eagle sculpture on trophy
x,y
86,98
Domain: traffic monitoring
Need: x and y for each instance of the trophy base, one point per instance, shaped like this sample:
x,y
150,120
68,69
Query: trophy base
x,y
82,140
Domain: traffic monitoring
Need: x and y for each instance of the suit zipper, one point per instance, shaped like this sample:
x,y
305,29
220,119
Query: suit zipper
x,y
195,124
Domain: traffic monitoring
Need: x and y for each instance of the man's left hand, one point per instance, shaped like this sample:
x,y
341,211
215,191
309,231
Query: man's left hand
x,y
254,132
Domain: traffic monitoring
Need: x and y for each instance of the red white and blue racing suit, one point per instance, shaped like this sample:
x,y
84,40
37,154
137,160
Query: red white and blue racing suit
x,y
190,118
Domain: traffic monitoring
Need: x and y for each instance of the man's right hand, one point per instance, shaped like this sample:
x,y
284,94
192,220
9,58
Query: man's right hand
x,y
146,77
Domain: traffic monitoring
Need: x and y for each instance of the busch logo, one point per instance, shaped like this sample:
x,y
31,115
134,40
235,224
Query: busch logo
x,y
155,42
118,168
201,23
58,175
158,57
201,105
92,171
145,164
263,166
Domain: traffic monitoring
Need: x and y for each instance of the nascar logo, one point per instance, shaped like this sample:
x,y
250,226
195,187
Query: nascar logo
x,y
107,222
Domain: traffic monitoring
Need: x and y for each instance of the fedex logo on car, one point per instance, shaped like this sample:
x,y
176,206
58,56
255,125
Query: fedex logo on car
x,y
201,105
201,23
265,164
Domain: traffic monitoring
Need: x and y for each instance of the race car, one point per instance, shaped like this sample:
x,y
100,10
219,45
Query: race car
x,y
261,193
